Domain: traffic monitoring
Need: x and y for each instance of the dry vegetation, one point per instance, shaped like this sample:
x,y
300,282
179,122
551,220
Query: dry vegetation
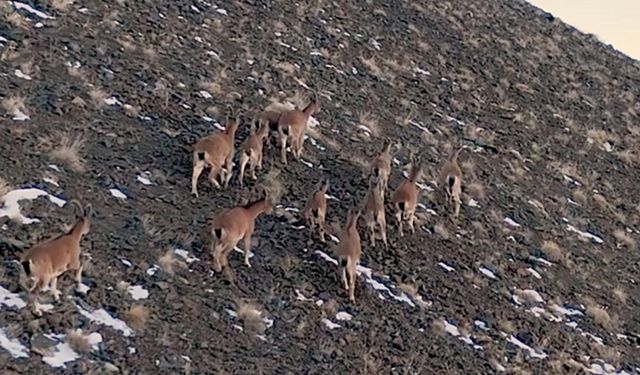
x,y
169,263
137,317
78,341
554,252
251,317
67,151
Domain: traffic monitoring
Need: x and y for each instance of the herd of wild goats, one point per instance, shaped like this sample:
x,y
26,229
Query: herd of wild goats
x,y
48,260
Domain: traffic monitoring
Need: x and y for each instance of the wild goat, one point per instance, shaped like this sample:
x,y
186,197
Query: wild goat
x,y
233,225
271,117
450,179
45,262
374,214
405,198
315,210
349,251
214,151
251,151
380,167
292,124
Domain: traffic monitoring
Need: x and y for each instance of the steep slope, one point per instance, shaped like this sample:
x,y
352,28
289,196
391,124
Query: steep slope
x,y
537,275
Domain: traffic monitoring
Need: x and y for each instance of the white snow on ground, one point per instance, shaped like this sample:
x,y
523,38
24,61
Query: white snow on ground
x,y
13,346
63,353
454,331
532,353
511,222
488,273
300,296
11,299
29,9
138,292
19,74
563,311
152,270
185,255
101,316
343,315
330,324
143,179
112,101
117,193
529,295
446,267
308,164
83,288
50,181
18,115
534,273
473,203
588,235
11,206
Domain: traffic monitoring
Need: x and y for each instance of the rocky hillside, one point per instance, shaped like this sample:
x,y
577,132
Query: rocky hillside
x,y
102,101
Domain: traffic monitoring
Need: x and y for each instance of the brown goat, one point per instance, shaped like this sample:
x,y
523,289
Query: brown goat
x,y
315,210
45,262
233,225
405,198
374,213
450,179
214,151
251,151
380,167
292,124
271,117
349,251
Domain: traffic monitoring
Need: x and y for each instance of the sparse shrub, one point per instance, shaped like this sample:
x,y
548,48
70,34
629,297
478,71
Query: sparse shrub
x,y
600,316
441,230
67,152
4,188
61,5
251,318
14,105
620,295
553,251
78,341
624,239
168,262
137,317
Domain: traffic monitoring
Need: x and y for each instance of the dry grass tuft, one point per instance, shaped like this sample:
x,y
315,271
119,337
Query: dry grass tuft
x,y
98,97
601,316
580,197
628,157
137,317
601,202
624,239
168,262
476,191
127,43
212,87
78,341
553,251
286,67
620,294
68,152
441,230
506,326
372,66
251,317
273,185
61,5
14,105
15,19
122,286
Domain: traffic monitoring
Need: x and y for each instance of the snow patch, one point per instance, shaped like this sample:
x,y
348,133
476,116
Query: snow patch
x,y
534,273
138,292
330,324
19,74
343,316
101,316
13,346
511,222
488,273
143,179
12,207
117,193
185,255
11,299
446,267
82,288
588,235
29,9
532,353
